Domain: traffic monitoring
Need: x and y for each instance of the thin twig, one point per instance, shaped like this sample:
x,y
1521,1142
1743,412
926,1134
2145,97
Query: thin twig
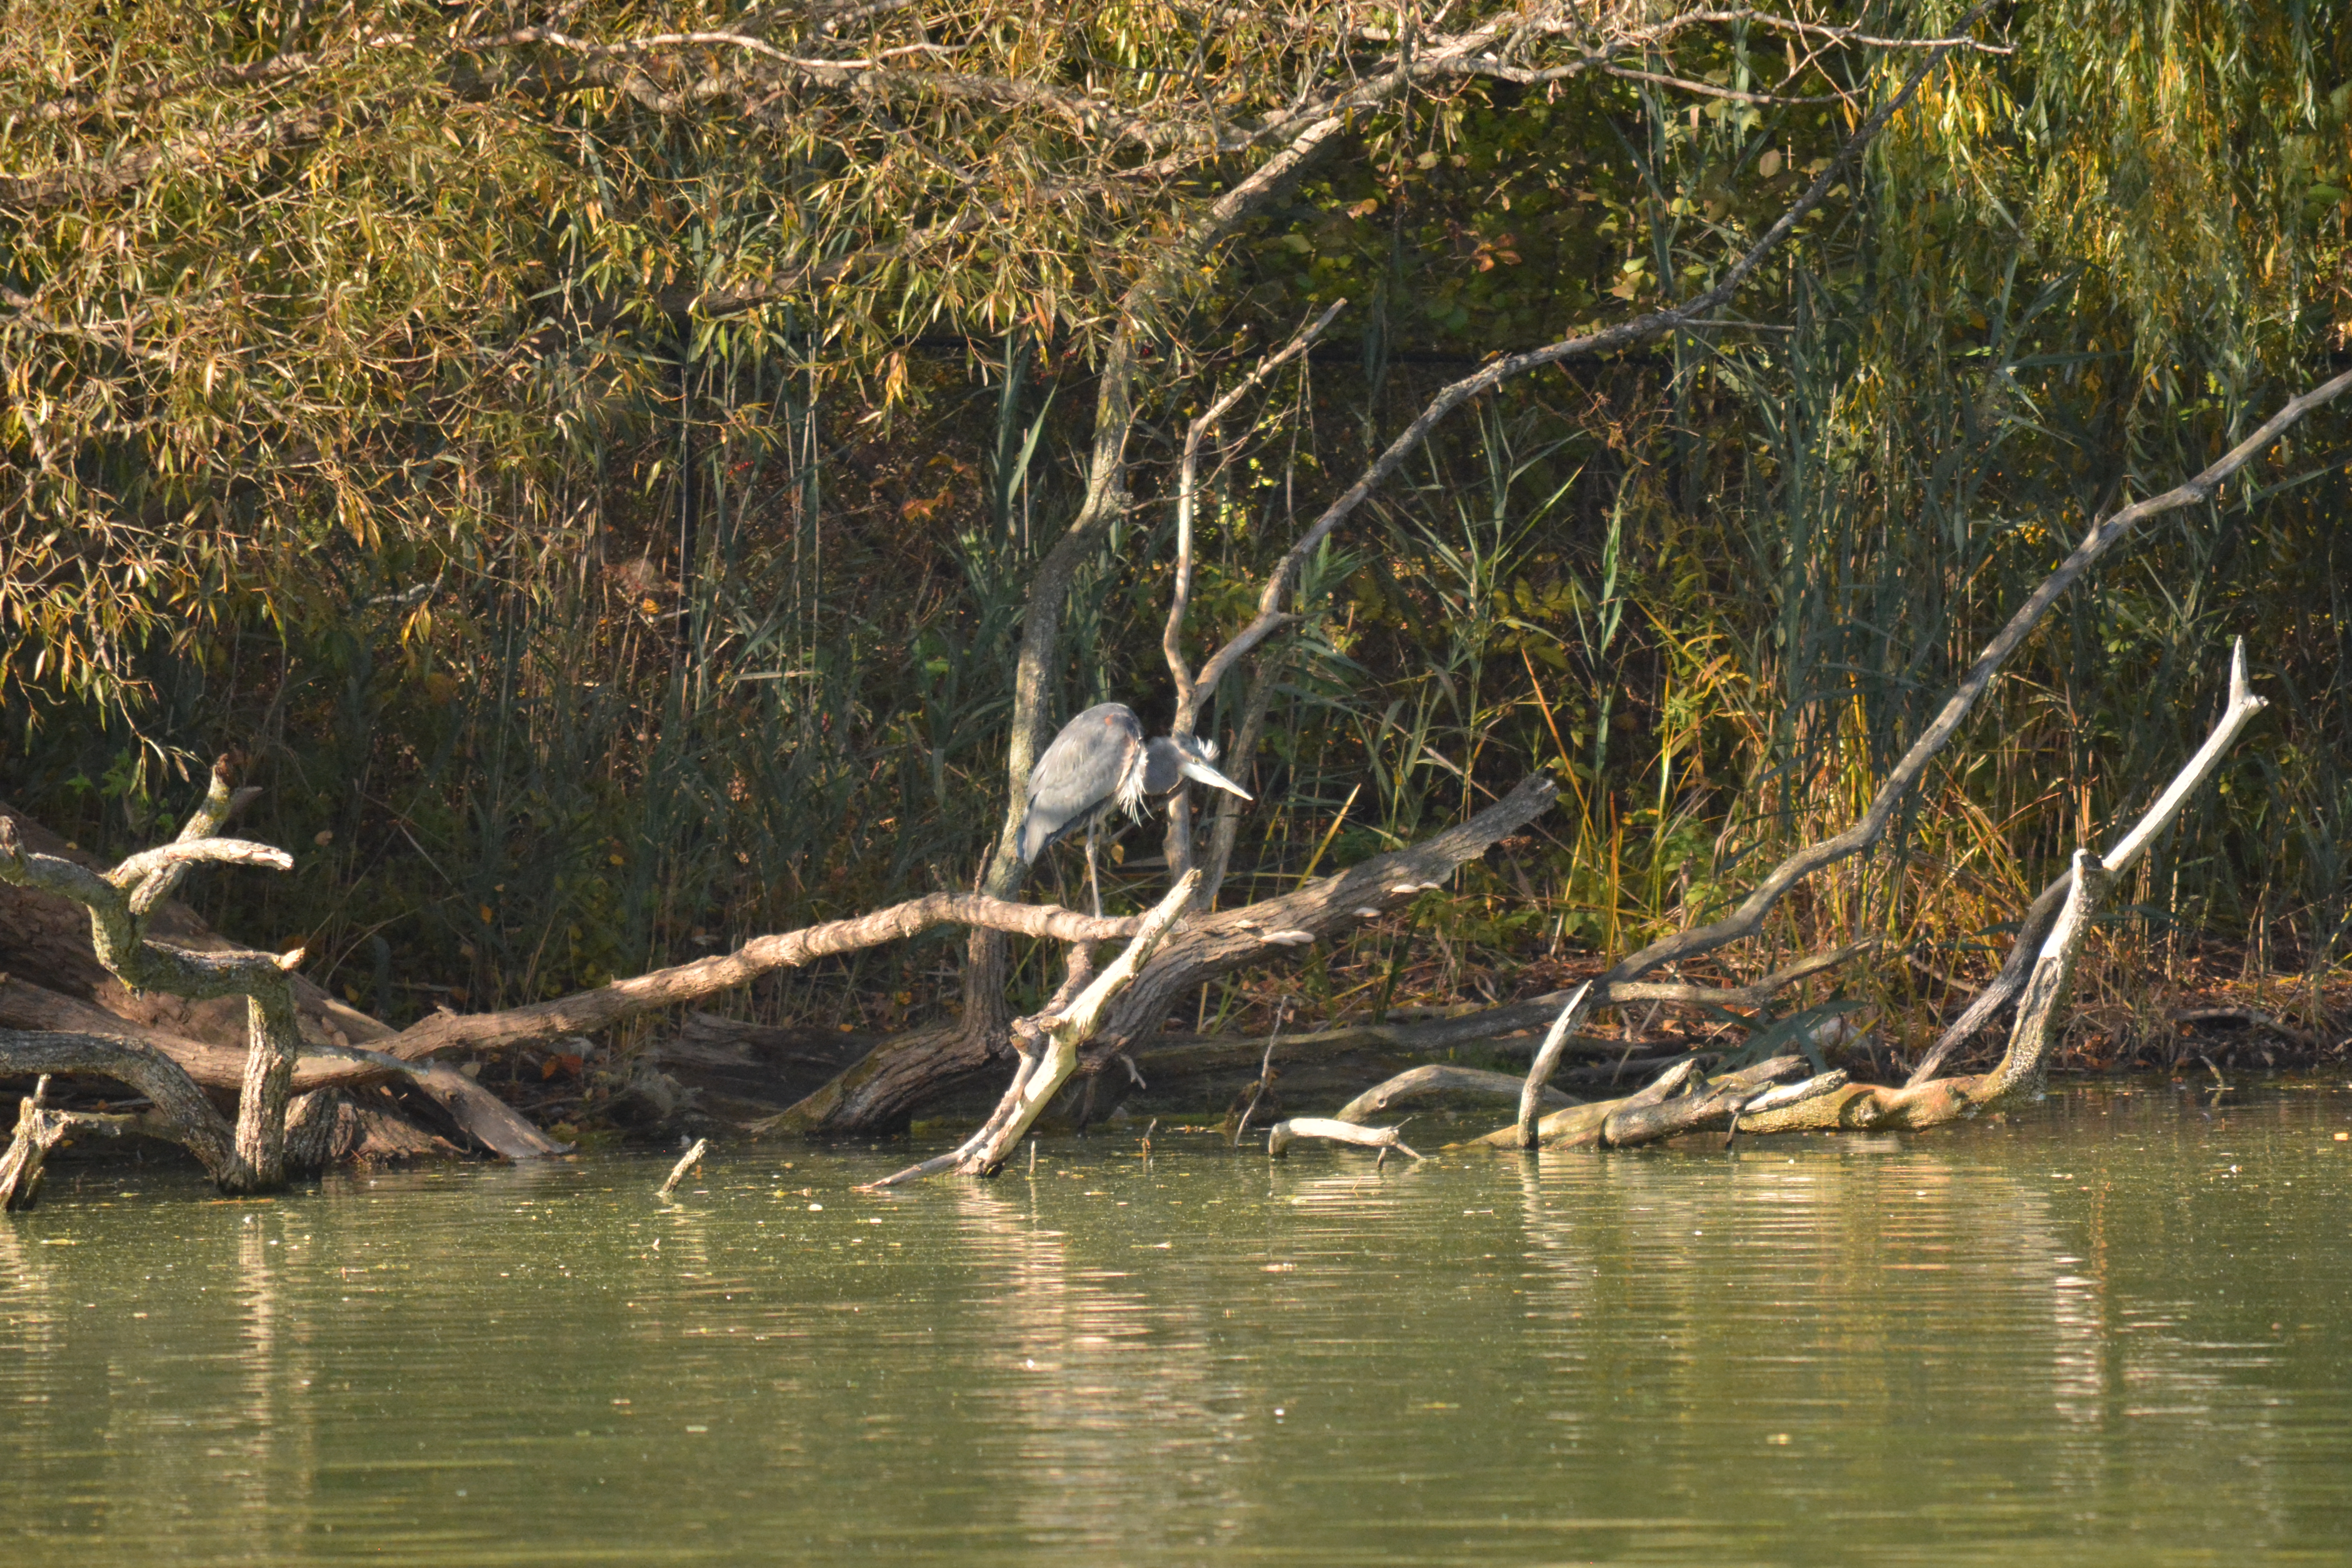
x,y
1265,1072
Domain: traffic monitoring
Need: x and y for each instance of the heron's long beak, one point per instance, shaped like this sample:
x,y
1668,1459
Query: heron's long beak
x,y
1193,768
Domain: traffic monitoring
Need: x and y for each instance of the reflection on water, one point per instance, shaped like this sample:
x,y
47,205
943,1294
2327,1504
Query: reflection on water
x,y
2108,1332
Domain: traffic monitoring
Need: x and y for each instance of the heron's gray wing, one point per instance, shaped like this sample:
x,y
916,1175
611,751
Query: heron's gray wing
x,y
1079,774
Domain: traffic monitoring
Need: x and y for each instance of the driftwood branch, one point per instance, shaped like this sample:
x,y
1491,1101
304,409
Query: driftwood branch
x,y
180,1113
1064,1033
480,1114
1750,917
2041,1017
118,938
1679,1100
1579,1002
687,1161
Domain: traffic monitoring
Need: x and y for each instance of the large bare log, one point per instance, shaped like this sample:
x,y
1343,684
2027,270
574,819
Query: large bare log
x,y
584,1011
1191,1056
28,1006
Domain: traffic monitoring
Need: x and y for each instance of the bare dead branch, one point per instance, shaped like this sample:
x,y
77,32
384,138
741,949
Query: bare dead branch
x,y
145,865
1750,916
1180,595
2040,1018
2238,710
1058,1033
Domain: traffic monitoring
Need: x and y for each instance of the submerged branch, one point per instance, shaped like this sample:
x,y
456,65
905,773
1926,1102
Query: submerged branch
x,y
1282,1134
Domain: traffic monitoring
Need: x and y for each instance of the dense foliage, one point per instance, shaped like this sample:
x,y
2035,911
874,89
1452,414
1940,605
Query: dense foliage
x,y
595,474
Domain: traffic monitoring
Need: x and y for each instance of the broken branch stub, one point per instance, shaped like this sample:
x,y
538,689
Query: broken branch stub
x,y
1547,1061
2025,1065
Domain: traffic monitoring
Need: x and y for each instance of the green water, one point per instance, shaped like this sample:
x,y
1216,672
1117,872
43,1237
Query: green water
x,y
2111,1330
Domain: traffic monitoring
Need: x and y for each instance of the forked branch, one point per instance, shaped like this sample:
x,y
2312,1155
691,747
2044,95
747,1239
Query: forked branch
x,y
117,924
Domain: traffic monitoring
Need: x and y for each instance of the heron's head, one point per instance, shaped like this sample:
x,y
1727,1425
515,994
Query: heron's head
x,y
1186,757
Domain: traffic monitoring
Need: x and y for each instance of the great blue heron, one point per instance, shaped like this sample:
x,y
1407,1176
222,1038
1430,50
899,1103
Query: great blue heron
x,y
1100,760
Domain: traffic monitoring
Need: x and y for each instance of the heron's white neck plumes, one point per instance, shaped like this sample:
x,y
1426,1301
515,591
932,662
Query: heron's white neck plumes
x,y
1130,786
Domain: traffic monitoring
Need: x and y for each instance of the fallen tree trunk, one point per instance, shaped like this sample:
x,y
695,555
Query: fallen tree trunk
x,y
471,1109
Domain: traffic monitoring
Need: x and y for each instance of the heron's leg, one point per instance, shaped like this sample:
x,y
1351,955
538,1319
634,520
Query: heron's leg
x,y
1094,885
